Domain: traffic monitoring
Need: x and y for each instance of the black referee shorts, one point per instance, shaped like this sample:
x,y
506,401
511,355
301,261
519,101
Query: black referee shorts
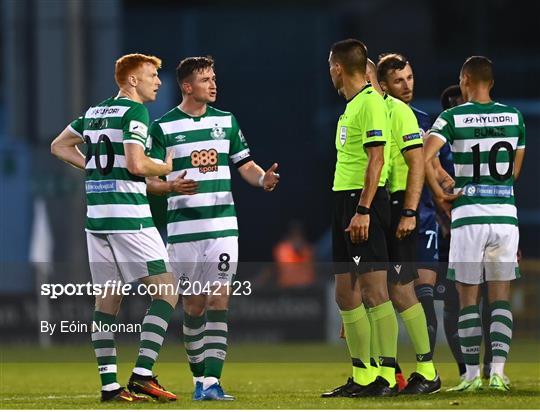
x,y
366,256
402,253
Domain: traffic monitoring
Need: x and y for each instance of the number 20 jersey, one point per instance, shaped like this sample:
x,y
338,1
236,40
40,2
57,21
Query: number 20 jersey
x,y
483,138
116,199
203,146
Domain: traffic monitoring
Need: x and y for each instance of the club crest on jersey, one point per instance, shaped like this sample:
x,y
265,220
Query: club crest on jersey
x,y
343,135
217,133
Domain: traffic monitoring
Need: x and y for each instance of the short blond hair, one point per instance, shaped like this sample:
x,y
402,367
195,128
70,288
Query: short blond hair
x,y
125,65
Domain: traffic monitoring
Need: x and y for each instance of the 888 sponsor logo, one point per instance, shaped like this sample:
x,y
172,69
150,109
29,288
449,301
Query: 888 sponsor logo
x,y
205,160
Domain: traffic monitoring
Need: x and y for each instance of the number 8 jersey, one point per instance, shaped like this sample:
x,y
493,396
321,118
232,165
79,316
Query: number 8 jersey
x,y
484,138
116,199
203,146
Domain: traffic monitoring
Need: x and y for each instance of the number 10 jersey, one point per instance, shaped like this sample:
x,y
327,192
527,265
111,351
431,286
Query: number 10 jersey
x,y
116,199
483,138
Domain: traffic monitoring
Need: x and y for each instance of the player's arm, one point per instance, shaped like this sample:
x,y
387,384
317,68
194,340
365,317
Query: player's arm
x,y
375,154
518,162
156,186
444,179
359,225
407,137
64,147
374,120
141,165
157,151
414,157
252,173
520,152
432,145
135,137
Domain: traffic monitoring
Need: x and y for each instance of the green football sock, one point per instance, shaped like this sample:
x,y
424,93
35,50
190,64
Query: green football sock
x,y
105,350
383,318
357,335
374,349
500,335
193,331
215,343
470,335
154,328
416,325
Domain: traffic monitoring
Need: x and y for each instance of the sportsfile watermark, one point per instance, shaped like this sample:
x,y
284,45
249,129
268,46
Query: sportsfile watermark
x,y
282,303
118,288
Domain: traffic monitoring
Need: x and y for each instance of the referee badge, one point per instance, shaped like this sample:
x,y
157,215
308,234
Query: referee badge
x,y
343,135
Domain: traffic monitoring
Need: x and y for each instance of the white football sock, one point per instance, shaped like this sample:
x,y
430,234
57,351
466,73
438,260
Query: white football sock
x,y
209,381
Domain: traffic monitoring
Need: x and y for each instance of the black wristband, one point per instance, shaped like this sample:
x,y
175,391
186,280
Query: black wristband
x,y
362,210
408,213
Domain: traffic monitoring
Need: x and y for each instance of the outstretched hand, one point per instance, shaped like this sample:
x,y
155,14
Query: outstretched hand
x,y
270,178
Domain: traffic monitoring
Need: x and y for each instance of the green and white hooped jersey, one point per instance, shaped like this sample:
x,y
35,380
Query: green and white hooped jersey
x,y
116,199
483,139
202,146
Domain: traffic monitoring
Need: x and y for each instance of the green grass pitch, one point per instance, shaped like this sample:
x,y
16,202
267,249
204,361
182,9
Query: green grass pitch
x,y
261,377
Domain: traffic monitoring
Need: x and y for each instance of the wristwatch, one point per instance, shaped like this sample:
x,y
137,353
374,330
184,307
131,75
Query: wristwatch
x,y
408,213
362,210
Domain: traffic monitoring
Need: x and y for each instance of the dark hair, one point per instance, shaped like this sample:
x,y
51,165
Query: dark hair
x,y
190,65
449,96
351,54
388,62
479,68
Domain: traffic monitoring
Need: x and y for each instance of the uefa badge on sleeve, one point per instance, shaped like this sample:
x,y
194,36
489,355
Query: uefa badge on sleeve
x,y
343,135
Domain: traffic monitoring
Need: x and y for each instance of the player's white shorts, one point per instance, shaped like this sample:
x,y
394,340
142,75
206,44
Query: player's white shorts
x,y
204,264
126,256
485,252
